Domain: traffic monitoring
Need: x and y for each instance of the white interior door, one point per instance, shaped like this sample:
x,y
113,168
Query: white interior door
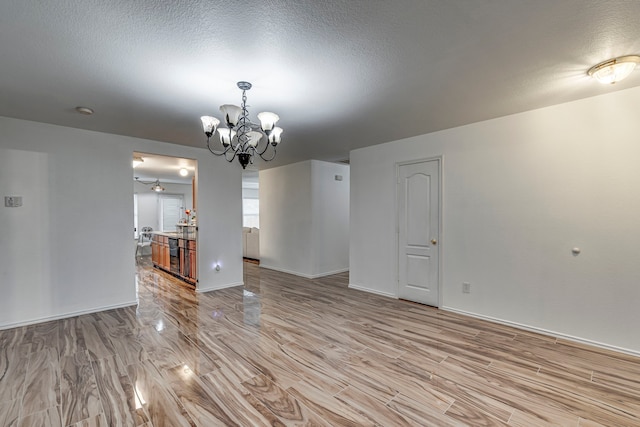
x,y
418,231
170,211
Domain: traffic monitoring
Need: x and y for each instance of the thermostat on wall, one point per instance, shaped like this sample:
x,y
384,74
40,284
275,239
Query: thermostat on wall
x,y
12,201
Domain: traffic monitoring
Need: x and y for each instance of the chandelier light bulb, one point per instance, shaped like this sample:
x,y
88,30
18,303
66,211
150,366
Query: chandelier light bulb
x,y
209,124
231,114
226,136
268,121
253,138
274,136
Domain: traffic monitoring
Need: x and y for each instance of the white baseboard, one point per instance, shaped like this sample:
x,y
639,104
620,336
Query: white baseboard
x,y
543,331
329,273
372,291
306,276
217,288
66,315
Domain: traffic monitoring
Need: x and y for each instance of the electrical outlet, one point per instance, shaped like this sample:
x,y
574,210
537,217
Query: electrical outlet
x,y
466,288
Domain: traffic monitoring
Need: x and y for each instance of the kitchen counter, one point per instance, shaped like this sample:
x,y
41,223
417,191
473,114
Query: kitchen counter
x,y
175,235
175,253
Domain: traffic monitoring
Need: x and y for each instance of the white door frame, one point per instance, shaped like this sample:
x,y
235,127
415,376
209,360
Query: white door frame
x,y
440,160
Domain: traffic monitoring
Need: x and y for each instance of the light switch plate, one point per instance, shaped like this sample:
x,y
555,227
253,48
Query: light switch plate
x,y
12,201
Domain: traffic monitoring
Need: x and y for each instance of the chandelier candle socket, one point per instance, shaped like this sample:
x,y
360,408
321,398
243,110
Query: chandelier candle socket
x,y
242,138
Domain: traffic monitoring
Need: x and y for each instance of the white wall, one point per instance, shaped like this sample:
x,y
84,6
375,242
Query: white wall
x,y
24,234
78,219
304,218
519,193
147,209
219,213
82,245
330,212
285,218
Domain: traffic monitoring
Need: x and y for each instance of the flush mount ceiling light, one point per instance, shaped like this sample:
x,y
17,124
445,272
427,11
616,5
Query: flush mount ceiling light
x,y
614,70
155,185
184,172
84,110
243,138
137,161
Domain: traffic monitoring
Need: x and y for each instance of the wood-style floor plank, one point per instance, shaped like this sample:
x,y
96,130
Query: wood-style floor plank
x,y
195,398
70,337
156,397
120,402
78,390
329,408
95,421
9,413
375,410
231,397
42,384
429,414
13,371
43,335
286,351
286,407
48,418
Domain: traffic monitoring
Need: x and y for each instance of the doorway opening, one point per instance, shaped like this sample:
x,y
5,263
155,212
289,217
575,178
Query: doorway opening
x,y
165,215
251,216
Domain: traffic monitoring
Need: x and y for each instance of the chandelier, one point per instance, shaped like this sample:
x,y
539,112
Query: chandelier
x,y
242,138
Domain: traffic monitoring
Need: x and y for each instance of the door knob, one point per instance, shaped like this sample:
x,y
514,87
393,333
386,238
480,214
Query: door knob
x,y
434,242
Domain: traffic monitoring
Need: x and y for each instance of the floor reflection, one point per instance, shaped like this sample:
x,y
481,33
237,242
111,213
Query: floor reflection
x,y
284,350
251,308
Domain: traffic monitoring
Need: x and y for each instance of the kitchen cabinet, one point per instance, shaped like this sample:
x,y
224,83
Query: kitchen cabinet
x,y
160,251
175,255
188,259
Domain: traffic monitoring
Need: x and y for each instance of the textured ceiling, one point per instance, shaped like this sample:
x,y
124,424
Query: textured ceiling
x,y
341,74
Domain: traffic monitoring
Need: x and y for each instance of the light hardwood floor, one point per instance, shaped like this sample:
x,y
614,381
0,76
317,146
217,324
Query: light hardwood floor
x,y
283,350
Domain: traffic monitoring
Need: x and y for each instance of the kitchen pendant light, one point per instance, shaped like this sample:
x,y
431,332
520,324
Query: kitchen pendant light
x,y
155,185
